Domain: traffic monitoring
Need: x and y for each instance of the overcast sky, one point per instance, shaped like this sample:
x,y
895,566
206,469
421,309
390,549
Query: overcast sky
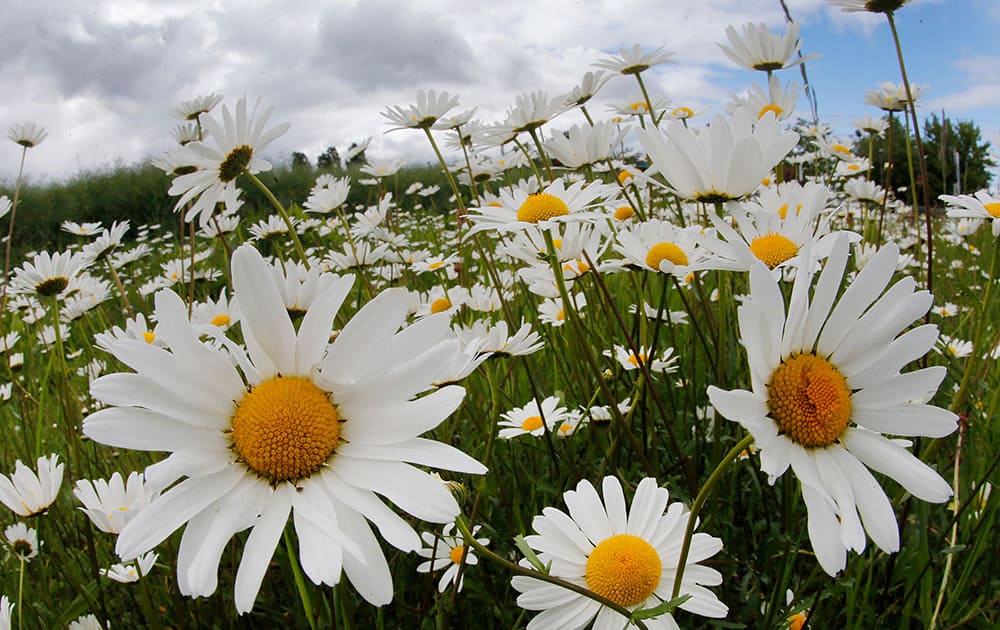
x,y
102,76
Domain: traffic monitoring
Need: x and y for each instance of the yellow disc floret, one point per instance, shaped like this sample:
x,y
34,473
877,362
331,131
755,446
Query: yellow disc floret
x,y
773,249
665,251
221,320
809,399
456,553
771,107
623,213
286,428
440,305
531,423
993,209
625,569
541,207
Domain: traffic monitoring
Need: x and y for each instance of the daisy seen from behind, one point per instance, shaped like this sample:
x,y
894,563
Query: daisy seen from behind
x,y
629,556
825,387
302,428
28,493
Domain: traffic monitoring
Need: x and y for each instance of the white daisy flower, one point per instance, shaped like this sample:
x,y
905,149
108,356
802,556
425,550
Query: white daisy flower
x,y
447,550
303,428
666,363
23,541
627,556
496,340
756,48
532,418
982,206
27,493
230,149
27,134
430,107
726,160
826,384
557,202
113,503
328,194
48,275
128,573
635,60
85,622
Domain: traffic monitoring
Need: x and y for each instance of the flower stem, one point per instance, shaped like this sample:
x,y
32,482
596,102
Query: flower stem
x,y
282,213
699,502
300,582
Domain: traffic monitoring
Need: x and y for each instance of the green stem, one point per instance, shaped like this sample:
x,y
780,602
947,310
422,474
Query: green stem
x,y
699,502
977,340
20,592
447,171
542,155
282,213
300,582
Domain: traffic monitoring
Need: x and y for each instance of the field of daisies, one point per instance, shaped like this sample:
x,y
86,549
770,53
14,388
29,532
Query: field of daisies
x,y
658,370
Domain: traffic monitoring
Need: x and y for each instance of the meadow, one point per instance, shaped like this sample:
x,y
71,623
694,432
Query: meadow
x,y
660,370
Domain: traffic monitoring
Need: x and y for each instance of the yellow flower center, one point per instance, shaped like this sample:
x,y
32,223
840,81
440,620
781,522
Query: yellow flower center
x,y
636,360
624,177
440,305
639,107
773,249
625,569
456,554
565,428
783,210
286,428
531,423
561,315
993,209
771,107
579,267
665,251
839,148
434,265
853,167
541,207
682,112
796,621
809,399
149,337
766,181
624,212
221,320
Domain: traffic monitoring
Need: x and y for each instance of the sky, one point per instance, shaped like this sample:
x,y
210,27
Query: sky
x,y
103,76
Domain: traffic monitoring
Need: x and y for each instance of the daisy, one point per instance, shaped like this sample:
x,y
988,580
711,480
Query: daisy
x,y
328,194
874,126
6,609
532,419
448,550
195,107
628,360
779,100
430,107
128,573
106,242
582,145
531,111
660,246
49,275
221,313
635,60
953,346
524,341
557,202
271,227
28,494
85,622
587,88
23,541
551,311
981,206
757,49
27,134
948,309
81,229
826,385
229,151
724,161
303,428
186,133
113,503
627,556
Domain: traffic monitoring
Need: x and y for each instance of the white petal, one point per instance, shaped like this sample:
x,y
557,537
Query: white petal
x,y
873,504
316,326
824,532
409,488
263,313
417,451
369,574
260,546
888,458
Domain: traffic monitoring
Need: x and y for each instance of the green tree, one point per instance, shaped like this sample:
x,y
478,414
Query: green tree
x,y
942,139
299,160
328,159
